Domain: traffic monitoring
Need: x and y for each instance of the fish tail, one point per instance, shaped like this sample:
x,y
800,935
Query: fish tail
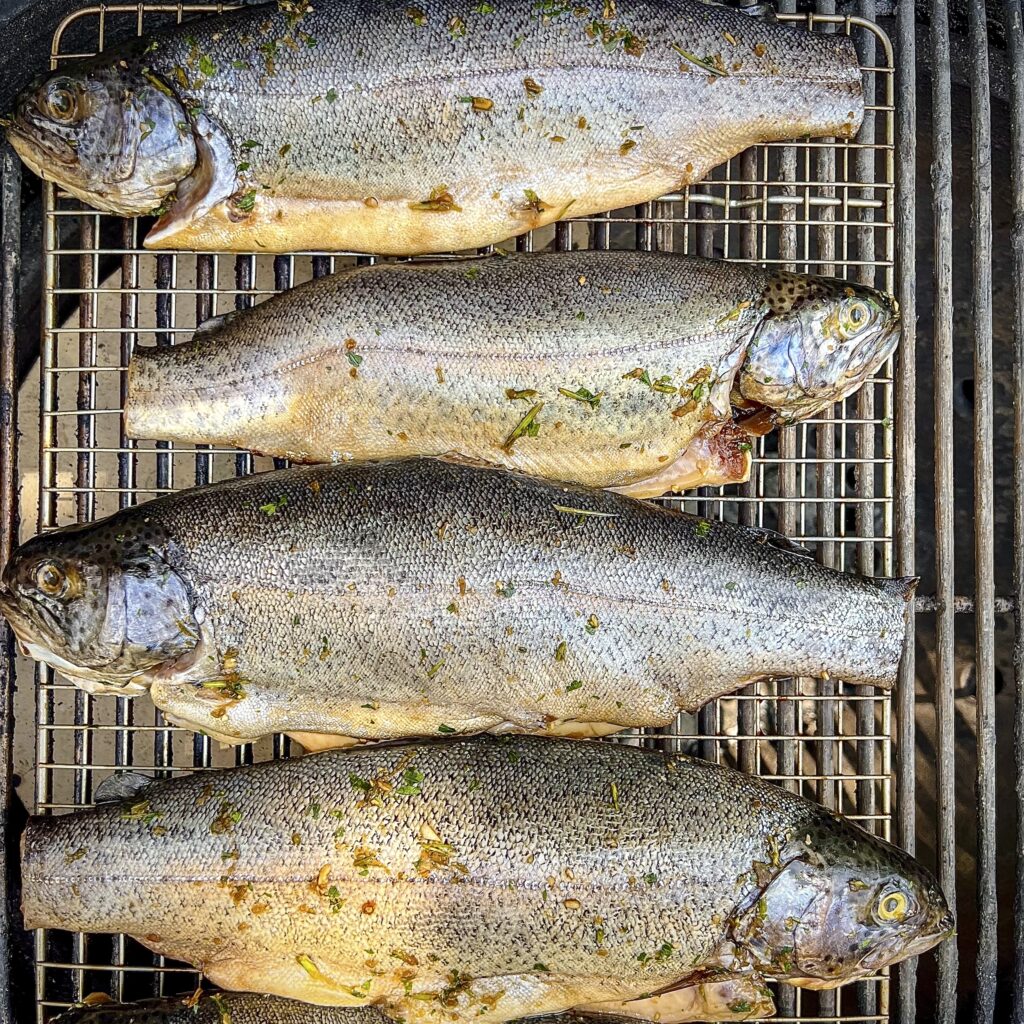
x,y
162,400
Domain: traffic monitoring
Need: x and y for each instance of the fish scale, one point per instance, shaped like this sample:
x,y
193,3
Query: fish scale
x,y
434,878
423,597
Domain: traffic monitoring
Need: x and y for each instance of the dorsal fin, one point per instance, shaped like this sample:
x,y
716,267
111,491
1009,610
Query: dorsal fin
x,y
215,323
121,787
899,586
777,540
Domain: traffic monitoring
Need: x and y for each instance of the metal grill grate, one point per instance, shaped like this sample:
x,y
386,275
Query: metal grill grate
x,y
822,207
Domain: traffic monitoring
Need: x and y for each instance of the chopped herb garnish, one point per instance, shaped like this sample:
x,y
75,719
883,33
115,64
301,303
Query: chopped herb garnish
x,y
206,66
703,528
411,780
514,394
592,625
440,200
446,729
534,202
355,359
149,126
561,650
309,967
527,425
583,395
334,899
246,202
574,685
271,508
480,103
706,64
584,512
331,95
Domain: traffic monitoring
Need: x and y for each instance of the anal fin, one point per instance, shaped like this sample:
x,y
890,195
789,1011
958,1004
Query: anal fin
x,y
743,997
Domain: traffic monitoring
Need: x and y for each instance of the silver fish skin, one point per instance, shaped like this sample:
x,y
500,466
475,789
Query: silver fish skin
x,y
484,878
405,128
625,363
731,999
420,597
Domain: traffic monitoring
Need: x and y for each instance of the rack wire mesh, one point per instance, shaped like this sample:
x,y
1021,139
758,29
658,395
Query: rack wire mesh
x,y
822,206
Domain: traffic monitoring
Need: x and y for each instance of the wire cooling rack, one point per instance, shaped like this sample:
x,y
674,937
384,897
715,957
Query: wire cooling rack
x,y
821,206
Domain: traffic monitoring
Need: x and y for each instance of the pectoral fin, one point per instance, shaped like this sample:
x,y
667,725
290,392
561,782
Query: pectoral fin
x,y
719,456
213,180
730,999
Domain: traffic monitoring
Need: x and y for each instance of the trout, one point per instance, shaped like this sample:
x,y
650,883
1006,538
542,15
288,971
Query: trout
x,y
610,369
395,127
421,598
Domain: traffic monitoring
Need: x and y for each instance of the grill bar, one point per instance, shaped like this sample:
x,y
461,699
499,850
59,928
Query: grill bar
x,y
10,240
942,202
906,454
1015,53
984,518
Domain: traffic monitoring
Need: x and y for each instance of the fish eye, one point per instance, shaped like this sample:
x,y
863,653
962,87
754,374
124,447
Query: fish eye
x,y
892,906
61,102
51,579
855,316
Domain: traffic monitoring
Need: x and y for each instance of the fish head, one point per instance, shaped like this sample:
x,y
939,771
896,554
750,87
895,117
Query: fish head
x,y
819,340
100,603
113,135
844,906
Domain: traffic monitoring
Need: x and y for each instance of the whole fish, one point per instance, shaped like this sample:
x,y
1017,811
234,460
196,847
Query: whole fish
x,y
733,999
424,597
484,879
621,364
396,127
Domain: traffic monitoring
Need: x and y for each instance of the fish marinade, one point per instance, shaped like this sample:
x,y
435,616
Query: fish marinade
x,y
484,879
611,369
424,597
392,127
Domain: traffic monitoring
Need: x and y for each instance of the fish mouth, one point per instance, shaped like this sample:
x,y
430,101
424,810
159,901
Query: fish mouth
x,y
26,145
18,621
